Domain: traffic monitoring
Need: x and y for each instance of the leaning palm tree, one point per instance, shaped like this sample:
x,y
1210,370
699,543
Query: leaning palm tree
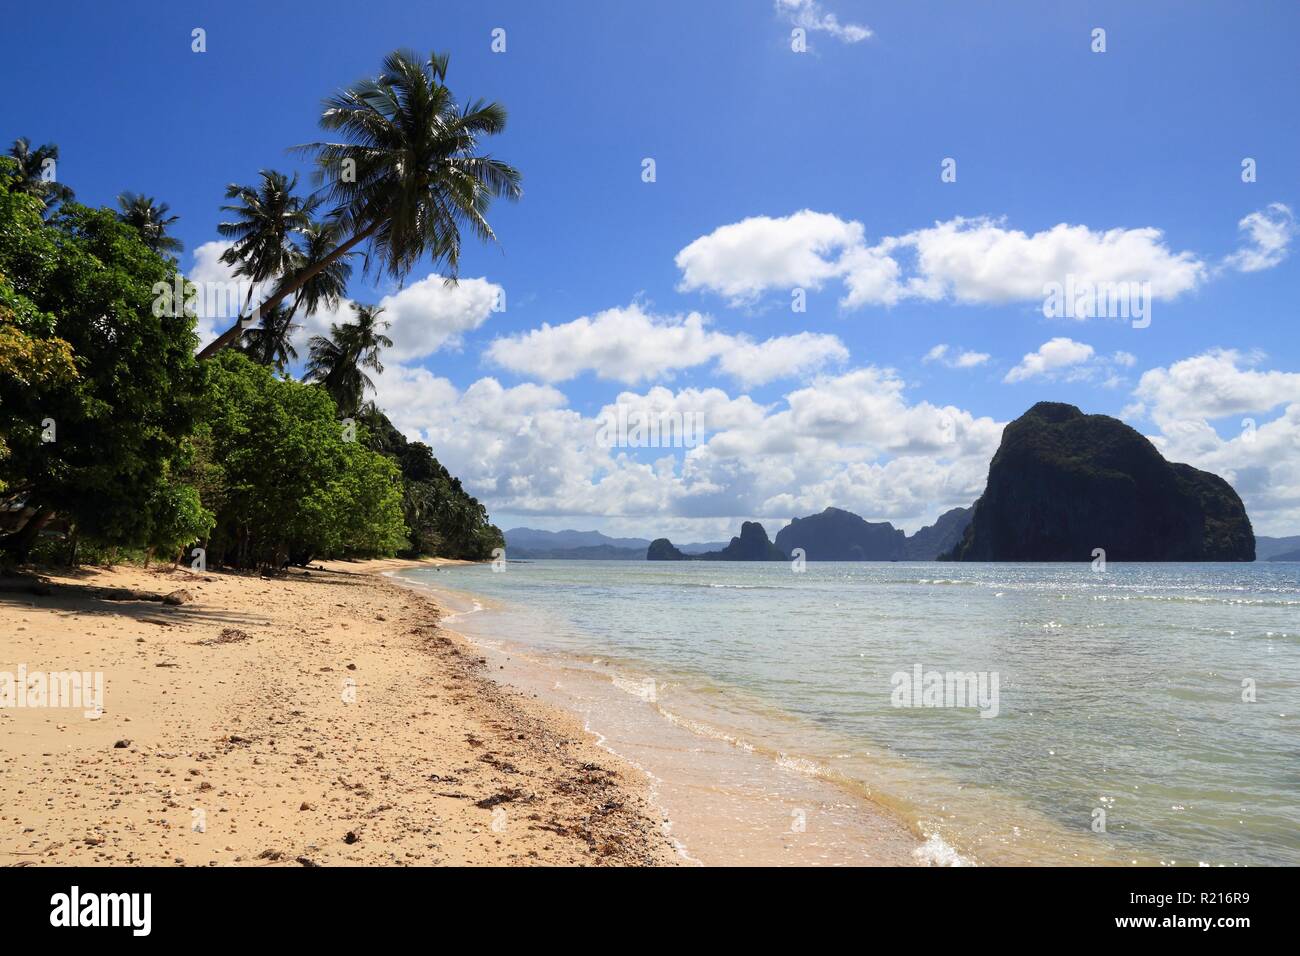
x,y
325,286
266,217
408,173
150,219
339,362
30,176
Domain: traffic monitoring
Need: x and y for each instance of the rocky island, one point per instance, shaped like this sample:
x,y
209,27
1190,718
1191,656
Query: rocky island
x,y
1064,483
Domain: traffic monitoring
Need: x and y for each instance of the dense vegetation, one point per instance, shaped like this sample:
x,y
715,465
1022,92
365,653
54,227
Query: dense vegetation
x,y
116,440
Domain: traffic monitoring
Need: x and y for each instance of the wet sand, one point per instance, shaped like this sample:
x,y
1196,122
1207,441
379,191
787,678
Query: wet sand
x,y
728,801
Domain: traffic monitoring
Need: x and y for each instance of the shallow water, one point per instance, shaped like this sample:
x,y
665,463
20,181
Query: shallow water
x,y
762,704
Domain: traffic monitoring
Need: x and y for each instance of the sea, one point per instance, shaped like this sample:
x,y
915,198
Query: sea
x,y
921,713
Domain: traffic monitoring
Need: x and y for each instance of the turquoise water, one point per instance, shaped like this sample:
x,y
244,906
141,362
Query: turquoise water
x,y
1120,693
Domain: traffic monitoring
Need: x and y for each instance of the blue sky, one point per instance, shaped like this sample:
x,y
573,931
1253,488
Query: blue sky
x,y
1147,137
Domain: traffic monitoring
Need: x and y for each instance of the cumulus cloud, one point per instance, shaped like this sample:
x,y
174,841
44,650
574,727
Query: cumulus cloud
x,y
1214,385
975,261
1064,359
1260,458
1049,358
852,440
432,314
810,15
220,294
748,257
979,261
755,363
631,345
1267,236
954,357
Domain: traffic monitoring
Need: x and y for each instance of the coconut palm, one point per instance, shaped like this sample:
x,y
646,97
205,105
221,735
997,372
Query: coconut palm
x,y
325,286
267,216
270,342
30,175
339,362
407,174
150,219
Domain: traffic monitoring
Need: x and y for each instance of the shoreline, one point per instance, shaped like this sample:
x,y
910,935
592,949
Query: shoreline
x,y
726,799
314,718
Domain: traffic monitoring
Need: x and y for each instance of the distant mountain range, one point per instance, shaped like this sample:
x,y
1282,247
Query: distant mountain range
x,y
1277,549
536,545
1061,485
832,535
751,545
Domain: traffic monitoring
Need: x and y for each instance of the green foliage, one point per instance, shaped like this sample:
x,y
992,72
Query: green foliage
x,y
444,519
339,362
28,174
290,487
150,219
93,447
178,518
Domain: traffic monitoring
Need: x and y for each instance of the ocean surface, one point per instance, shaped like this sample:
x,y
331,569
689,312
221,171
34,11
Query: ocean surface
x,y
1144,714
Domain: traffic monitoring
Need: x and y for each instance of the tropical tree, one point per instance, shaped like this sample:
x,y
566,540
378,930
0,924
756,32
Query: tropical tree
x,y
270,342
327,285
267,216
407,174
339,362
150,219
31,176
289,486
94,447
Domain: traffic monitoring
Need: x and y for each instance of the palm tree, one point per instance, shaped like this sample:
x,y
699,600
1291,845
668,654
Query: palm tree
x,y
150,219
31,171
267,216
271,342
408,174
327,285
338,362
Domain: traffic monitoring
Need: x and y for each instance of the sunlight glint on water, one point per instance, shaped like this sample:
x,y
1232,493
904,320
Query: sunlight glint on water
x,y
1119,691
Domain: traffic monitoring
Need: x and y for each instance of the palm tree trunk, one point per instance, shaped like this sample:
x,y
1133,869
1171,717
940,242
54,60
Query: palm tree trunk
x,y
231,335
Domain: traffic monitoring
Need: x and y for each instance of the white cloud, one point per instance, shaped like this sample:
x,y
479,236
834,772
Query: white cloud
x,y
755,363
425,316
810,15
954,358
965,261
1051,357
746,258
1268,233
1261,458
980,261
631,345
1214,385
852,440
220,294
429,315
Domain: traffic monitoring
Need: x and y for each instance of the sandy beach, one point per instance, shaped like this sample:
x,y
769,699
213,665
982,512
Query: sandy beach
x,y
314,718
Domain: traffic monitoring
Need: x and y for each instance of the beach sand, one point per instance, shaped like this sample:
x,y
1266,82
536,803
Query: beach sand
x,y
318,718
